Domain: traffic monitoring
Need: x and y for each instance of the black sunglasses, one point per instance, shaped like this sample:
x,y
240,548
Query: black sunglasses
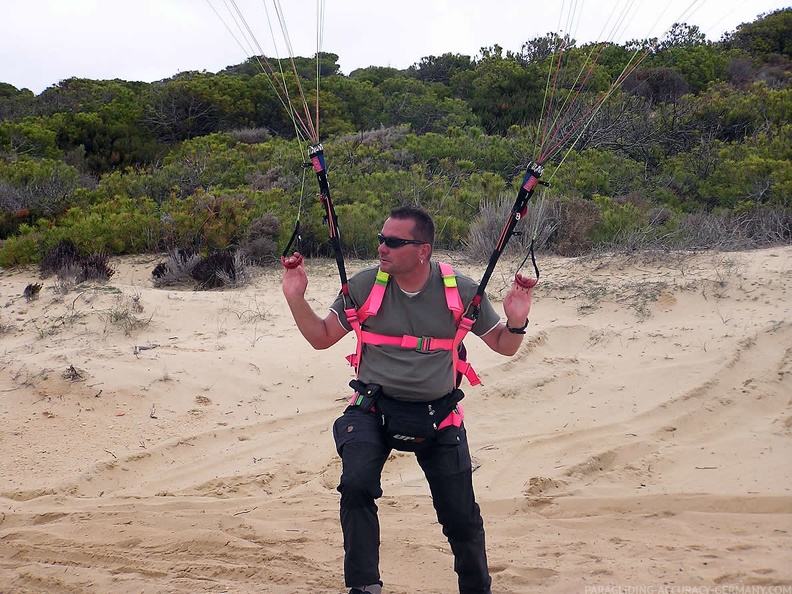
x,y
397,242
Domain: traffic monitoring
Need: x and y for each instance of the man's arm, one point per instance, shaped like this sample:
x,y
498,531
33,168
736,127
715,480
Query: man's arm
x,y
516,306
500,340
320,333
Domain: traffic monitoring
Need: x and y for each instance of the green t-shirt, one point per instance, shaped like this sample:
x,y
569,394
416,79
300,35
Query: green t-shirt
x,y
407,374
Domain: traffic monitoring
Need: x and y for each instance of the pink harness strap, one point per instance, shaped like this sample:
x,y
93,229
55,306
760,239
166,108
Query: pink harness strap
x,y
454,418
419,343
375,297
463,367
464,325
453,300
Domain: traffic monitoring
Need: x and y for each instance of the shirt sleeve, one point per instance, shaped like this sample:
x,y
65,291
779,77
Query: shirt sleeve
x,y
338,309
359,286
488,319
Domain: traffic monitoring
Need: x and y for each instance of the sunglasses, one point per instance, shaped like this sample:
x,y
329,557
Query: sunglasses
x,y
397,242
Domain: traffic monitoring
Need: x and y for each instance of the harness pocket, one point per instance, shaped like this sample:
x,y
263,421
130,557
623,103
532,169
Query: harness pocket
x,y
411,426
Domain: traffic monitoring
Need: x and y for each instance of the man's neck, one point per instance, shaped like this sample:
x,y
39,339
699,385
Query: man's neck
x,y
415,281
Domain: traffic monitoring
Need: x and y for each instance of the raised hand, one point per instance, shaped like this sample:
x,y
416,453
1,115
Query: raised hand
x,y
517,304
295,281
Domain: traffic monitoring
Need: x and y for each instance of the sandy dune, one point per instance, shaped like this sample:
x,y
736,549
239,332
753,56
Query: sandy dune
x,y
641,438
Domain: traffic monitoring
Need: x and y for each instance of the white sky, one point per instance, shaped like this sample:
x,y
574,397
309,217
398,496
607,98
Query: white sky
x,y
45,41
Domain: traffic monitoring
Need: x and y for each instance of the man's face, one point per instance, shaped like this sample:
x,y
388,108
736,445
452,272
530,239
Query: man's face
x,y
401,259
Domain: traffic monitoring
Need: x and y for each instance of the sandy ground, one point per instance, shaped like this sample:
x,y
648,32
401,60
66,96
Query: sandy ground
x,y
641,438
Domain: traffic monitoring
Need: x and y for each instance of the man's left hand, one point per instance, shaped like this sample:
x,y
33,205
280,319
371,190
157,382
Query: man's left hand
x,y
517,304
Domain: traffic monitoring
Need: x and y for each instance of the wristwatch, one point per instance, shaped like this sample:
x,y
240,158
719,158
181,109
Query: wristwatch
x,y
517,330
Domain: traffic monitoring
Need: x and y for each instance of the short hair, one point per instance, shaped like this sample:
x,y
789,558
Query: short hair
x,y
424,225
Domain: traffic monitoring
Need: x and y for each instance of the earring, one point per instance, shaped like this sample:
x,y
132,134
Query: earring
x,y
421,261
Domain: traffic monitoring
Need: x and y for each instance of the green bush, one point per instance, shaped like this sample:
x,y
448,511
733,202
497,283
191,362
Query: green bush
x,y
207,222
618,220
359,226
20,250
118,226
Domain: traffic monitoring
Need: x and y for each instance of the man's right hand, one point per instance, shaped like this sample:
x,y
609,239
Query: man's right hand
x,y
320,333
295,281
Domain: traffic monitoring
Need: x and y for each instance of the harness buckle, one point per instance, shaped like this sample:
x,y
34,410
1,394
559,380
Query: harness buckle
x,y
424,344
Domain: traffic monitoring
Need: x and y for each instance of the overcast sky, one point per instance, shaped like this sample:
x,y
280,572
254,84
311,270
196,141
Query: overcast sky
x,y
45,41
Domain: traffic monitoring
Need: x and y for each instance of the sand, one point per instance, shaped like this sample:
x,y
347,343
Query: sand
x,y
171,440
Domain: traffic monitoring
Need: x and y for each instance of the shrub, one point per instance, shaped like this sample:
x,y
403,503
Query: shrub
x,y
260,251
177,269
260,245
267,225
117,226
63,255
576,220
94,267
359,225
216,270
204,221
251,135
539,225
617,221
20,250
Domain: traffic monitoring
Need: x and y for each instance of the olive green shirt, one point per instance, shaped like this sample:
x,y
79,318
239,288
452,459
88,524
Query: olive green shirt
x,y
408,374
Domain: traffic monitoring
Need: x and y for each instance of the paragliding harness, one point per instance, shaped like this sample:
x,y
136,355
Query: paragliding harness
x,y
412,426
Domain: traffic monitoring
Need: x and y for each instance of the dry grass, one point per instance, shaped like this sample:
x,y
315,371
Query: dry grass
x,y
218,270
124,315
564,227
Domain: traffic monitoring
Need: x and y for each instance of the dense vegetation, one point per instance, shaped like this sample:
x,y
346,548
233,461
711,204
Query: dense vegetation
x,y
694,148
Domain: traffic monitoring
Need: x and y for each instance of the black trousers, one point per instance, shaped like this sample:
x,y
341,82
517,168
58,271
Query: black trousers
x,y
361,445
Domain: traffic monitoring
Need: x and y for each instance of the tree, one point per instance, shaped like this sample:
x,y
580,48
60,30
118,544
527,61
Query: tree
x,y
84,95
195,104
375,74
34,137
360,103
770,34
306,67
687,51
657,85
107,139
440,69
681,35
15,103
539,49
181,109
96,124
421,105
501,92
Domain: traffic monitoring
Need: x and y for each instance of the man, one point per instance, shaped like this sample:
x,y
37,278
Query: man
x,y
414,303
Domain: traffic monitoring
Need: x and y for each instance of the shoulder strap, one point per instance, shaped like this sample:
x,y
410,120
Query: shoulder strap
x,y
453,300
374,299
